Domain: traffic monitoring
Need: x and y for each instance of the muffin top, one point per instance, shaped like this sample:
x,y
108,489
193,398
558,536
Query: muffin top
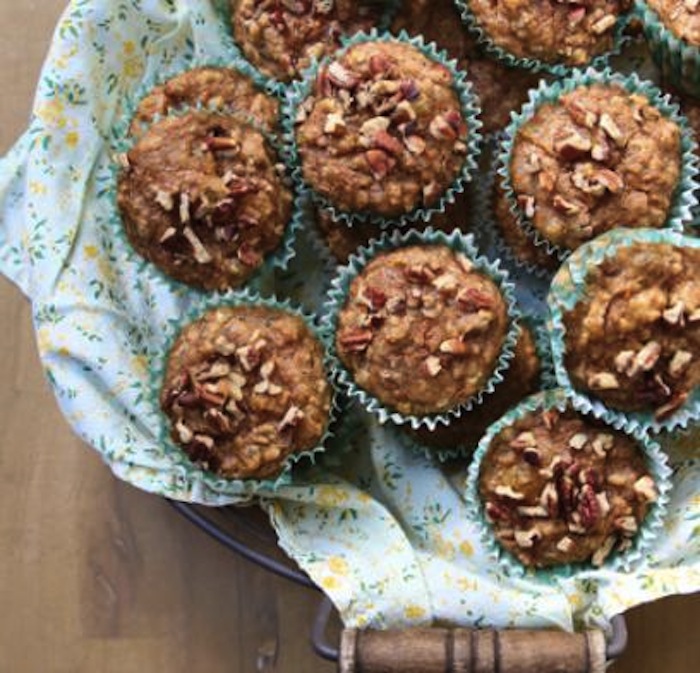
x,y
283,38
203,198
634,341
244,388
520,380
681,17
382,131
500,89
422,329
522,247
560,488
217,88
597,159
550,31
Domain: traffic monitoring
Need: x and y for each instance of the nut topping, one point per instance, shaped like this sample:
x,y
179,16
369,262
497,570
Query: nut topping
x,y
674,315
508,492
646,488
604,381
578,441
523,440
339,75
527,538
602,554
679,363
433,365
608,125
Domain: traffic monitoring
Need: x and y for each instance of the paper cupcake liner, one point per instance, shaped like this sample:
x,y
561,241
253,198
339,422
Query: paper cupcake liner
x,y
568,289
300,90
533,64
657,464
337,296
273,85
678,60
120,143
684,201
538,329
158,359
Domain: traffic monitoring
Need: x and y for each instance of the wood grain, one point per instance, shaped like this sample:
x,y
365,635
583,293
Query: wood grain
x,y
98,577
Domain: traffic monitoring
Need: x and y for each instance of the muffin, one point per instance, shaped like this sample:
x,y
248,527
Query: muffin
x,y
500,89
598,158
421,329
282,39
681,17
244,389
519,244
522,378
202,197
343,240
633,340
551,32
383,131
212,87
560,488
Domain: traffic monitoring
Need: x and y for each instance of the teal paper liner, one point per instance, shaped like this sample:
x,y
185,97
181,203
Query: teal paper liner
x,y
540,335
678,60
273,85
533,64
120,142
568,289
685,199
657,464
300,90
158,359
337,295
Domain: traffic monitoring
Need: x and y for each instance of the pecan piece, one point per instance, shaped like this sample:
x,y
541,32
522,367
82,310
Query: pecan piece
x,y
588,506
291,419
383,140
679,363
380,163
646,488
509,493
355,340
603,381
526,538
453,347
440,128
578,441
603,551
343,78
572,146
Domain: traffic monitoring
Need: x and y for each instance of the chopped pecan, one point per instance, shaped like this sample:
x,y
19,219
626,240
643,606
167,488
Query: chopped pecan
x,y
613,131
201,254
527,538
588,506
602,553
523,440
291,419
624,361
549,498
409,90
183,432
203,440
578,441
221,144
385,141
627,524
602,443
646,358
431,191
646,488
572,146
334,124
675,314
453,347
379,64
433,365
679,362
579,113
167,235
677,401
603,24
565,206
380,163
414,144
165,200
356,340
496,512
533,511
440,128
343,78
566,544
248,255
473,299
527,203
603,381
370,128
509,493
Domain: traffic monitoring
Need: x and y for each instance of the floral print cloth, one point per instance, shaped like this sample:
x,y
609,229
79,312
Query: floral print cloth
x,y
381,529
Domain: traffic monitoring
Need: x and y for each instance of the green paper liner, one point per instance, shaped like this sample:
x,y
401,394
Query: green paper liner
x,y
337,296
678,60
657,464
534,64
685,199
121,142
273,85
568,289
158,359
300,90
540,334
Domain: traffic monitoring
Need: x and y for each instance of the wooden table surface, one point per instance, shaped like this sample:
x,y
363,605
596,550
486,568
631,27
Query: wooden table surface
x,y
97,577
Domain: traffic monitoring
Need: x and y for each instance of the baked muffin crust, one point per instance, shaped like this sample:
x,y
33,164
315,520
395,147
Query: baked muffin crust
x,y
244,388
597,159
211,87
282,38
559,488
383,130
550,31
422,329
203,198
634,341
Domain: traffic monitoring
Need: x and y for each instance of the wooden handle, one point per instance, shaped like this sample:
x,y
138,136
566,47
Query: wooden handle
x,y
471,651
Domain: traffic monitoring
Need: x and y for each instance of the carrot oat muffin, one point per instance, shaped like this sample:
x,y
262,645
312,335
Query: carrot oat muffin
x,y
550,31
522,378
382,131
213,87
634,340
559,488
681,17
244,389
500,89
202,196
282,39
421,329
521,246
597,159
